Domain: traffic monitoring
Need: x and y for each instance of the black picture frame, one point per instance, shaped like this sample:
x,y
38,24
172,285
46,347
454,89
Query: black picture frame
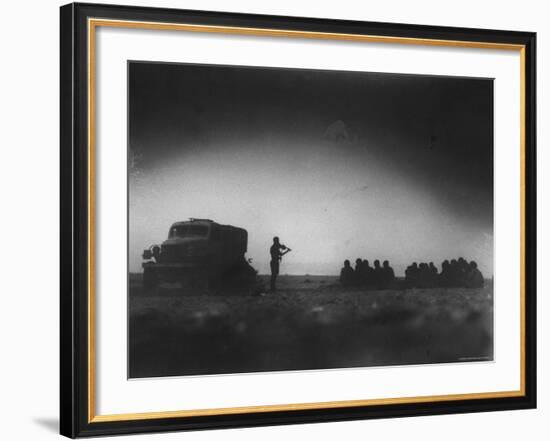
x,y
76,420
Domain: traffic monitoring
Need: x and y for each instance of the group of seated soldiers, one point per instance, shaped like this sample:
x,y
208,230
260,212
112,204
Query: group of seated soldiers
x,y
364,275
457,273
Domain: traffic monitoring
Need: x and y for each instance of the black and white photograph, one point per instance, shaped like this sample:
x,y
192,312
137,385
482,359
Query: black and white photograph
x,y
286,219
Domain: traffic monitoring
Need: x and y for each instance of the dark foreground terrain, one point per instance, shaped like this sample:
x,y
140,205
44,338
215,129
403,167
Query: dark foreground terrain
x,y
310,323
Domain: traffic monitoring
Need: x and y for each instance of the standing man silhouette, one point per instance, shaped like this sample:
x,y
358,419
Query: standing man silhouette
x,y
277,251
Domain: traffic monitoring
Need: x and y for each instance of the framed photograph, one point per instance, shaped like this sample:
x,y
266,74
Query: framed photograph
x,y
272,220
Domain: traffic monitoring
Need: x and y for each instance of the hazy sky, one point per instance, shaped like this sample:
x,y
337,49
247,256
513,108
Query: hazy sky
x,y
338,164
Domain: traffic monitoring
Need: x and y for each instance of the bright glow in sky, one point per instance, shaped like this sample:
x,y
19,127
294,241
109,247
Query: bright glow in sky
x,y
333,187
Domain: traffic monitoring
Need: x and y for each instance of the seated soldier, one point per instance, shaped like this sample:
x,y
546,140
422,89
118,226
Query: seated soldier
x,y
433,275
411,275
445,276
347,274
423,275
358,268
454,273
378,275
474,278
367,274
388,275
463,268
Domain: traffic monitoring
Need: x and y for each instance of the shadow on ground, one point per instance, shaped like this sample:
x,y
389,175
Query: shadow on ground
x,y
50,424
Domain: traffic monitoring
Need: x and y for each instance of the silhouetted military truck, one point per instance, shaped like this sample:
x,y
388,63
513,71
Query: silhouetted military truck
x,y
200,254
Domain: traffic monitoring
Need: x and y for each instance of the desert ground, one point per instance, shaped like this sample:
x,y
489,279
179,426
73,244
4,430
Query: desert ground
x,y
311,322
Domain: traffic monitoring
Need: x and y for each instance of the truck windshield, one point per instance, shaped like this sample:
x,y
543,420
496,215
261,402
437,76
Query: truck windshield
x,y
189,231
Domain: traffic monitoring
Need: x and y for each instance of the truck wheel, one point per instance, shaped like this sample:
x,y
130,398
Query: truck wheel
x,y
150,280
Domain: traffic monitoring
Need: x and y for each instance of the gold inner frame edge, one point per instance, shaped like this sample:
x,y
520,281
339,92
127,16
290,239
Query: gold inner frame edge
x,y
92,25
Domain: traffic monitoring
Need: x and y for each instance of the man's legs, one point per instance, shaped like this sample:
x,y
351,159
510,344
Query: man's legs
x,y
274,273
